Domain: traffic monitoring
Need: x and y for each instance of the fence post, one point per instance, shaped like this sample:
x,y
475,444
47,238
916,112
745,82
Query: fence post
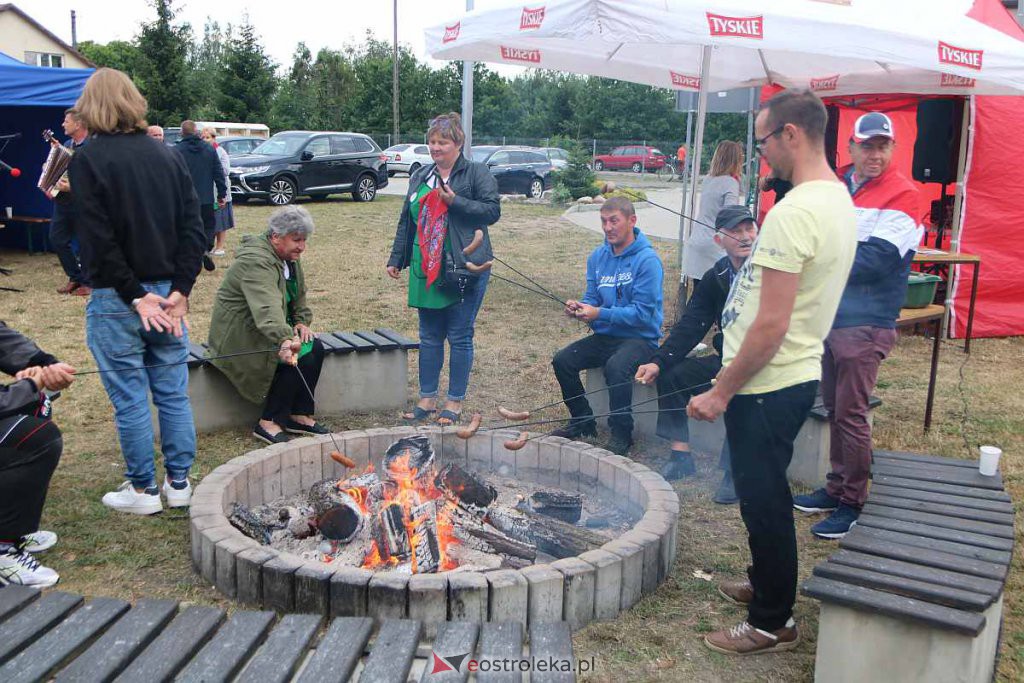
x,y
593,154
503,141
643,159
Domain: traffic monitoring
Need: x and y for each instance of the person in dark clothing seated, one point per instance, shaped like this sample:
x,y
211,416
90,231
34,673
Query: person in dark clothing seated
x,y
30,447
207,173
671,366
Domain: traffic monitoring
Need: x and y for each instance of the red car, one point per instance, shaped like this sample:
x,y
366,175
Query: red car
x,y
637,158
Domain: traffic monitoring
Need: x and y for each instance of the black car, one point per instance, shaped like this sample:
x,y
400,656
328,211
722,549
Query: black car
x,y
236,145
518,170
313,163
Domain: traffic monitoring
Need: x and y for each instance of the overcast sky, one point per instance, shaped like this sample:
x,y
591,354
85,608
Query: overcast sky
x,y
280,25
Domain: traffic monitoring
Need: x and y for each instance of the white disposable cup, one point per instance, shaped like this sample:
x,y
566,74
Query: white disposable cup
x,y
989,464
9,210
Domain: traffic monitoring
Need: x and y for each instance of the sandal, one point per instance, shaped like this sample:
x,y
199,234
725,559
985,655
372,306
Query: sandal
x,y
450,415
417,414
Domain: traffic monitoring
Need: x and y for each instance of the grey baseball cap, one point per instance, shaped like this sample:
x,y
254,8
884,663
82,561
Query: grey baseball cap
x,y
731,216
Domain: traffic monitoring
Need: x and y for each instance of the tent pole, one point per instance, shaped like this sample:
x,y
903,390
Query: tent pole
x,y
685,180
698,143
958,202
750,145
467,100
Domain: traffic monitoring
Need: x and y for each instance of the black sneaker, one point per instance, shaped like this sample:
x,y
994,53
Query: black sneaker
x,y
208,263
726,493
679,466
294,427
575,430
619,444
263,435
838,524
819,501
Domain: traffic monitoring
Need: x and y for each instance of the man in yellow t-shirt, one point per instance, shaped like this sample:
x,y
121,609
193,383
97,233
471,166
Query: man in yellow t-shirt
x,y
779,311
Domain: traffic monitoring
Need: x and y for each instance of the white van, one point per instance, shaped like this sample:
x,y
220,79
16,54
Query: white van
x,y
256,130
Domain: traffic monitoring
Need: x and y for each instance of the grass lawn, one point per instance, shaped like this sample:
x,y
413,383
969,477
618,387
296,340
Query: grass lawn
x,y
103,553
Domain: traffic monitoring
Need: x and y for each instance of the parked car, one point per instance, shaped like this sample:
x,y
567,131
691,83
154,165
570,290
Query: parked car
x,y
559,157
406,158
239,144
637,158
172,135
518,170
313,163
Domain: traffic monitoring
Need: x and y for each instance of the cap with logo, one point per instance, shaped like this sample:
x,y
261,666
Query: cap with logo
x,y
873,125
731,216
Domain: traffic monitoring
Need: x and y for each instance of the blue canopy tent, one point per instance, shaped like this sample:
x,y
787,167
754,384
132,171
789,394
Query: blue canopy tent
x,y
32,99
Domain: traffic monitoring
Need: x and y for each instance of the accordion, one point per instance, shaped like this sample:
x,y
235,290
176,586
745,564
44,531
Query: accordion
x,y
56,165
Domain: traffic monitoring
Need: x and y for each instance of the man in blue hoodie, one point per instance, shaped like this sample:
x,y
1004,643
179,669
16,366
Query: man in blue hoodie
x,y
207,173
622,305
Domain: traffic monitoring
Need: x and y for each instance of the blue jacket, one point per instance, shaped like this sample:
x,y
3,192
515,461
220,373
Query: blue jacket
x,y
204,167
627,289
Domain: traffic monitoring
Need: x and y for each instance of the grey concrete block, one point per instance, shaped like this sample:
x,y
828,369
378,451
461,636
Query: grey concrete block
x,y
568,467
632,557
590,460
606,470
651,545
550,461
607,582
509,596
502,460
428,601
291,472
578,579
208,549
544,587
528,462
313,588
467,597
350,591
225,569
381,439
197,524
279,582
375,380
312,466
450,448
249,575
355,444
271,477
388,595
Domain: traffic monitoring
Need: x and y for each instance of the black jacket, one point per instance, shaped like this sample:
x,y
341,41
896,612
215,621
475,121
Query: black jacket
x,y
702,311
137,214
204,167
476,205
18,352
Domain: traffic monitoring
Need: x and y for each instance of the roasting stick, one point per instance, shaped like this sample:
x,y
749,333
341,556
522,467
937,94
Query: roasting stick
x,y
525,414
336,455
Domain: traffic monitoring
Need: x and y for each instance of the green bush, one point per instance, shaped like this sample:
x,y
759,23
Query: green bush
x,y
560,195
629,193
576,178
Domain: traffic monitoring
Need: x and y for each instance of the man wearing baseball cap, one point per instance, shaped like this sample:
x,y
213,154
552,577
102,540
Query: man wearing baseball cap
x,y
864,330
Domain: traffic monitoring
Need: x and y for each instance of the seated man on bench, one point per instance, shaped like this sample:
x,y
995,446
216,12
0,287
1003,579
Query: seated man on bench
x,y
670,365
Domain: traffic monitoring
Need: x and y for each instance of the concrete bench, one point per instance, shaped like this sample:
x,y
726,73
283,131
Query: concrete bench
x,y
810,462
61,636
915,592
362,371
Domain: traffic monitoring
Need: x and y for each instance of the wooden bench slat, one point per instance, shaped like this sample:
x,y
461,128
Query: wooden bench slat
x,y
229,649
930,558
898,607
118,646
973,551
25,627
392,652
397,337
14,598
934,467
899,585
917,572
942,474
454,639
939,487
818,411
931,531
197,355
173,648
957,511
984,528
943,498
356,342
339,652
378,340
68,638
552,640
283,651
498,641
332,344
926,459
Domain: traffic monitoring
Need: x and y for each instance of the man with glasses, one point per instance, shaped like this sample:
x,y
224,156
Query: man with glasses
x,y
864,330
780,309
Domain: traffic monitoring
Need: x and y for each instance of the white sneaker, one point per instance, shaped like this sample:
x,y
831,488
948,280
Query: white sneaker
x,y
177,498
127,499
219,252
19,567
38,541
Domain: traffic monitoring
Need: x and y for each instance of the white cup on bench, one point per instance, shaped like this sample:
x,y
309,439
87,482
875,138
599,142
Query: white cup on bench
x,y
989,463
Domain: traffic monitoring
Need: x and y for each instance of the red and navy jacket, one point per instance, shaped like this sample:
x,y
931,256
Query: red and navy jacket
x,y
887,237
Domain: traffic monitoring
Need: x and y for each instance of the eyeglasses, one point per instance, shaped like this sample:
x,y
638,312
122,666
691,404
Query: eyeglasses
x,y
441,122
759,143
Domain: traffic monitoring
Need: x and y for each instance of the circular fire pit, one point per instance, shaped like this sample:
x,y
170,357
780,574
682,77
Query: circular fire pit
x,y
597,584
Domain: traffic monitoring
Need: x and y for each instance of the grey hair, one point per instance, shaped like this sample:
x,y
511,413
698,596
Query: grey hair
x,y
290,220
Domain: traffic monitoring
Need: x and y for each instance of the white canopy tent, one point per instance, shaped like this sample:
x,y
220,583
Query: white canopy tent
x,y
834,47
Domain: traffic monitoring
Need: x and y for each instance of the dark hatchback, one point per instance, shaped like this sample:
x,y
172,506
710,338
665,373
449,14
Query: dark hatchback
x,y
518,170
316,164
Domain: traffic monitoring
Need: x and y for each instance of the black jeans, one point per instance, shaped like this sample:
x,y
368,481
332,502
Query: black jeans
x,y
30,448
209,217
62,232
761,429
620,357
673,424
288,395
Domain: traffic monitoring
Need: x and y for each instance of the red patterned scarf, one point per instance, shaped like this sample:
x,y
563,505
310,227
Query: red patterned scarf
x,y
432,228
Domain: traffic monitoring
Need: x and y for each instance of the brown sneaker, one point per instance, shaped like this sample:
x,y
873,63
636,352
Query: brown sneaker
x,y
68,288
739,592
744,639
81,290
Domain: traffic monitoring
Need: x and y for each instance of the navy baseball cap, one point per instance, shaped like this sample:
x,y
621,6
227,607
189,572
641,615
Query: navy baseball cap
x,y
731,216
873,125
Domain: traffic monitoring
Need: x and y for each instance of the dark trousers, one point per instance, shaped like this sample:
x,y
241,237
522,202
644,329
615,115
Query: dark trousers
x,y
849,369
673,424
209,225
288,395
62,235
761,429
620,357
29,450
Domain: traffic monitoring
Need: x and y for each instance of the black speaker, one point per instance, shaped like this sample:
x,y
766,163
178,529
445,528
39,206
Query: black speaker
x,y
938,140
832,135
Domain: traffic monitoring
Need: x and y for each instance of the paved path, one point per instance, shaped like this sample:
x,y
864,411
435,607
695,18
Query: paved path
x,y
653,221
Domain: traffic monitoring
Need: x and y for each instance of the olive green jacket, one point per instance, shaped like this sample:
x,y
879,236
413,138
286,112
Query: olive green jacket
x,y
250,314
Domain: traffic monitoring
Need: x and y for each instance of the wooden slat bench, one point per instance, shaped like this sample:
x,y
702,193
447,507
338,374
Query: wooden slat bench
x,y
363,370
915,591
59,636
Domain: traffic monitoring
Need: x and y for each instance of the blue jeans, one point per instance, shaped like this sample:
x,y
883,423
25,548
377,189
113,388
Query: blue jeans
x,y
116,339
456,324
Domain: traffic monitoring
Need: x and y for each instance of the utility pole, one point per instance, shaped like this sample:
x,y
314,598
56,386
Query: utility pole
x,y
394,77
467,100
74,30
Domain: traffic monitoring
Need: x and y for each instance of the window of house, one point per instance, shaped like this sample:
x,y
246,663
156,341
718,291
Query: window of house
x,y
44,59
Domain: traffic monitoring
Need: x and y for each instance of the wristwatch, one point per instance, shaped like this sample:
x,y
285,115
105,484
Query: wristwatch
x,y
135,303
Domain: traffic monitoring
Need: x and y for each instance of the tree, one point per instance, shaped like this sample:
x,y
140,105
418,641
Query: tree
x,y
205,63
163,71
294,104
117,54
247,82
576,178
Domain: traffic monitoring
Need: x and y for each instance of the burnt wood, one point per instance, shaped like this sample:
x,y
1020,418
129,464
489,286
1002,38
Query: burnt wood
x,y
380,341
500,641
226,653
174,647
969,525
28,625
397,337
454,639
898,585
392,652
465,486
281,654
939,487
552,640
359,344
339,652
941,498
931,531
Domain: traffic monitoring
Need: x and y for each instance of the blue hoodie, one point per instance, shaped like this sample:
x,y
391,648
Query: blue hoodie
x,y
627,289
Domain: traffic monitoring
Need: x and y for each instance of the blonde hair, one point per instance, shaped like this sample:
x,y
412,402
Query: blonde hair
x,y
728,159
110,103
447,126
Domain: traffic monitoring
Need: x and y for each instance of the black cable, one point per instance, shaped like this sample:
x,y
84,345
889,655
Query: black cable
x,y
683,215
529,289
528,279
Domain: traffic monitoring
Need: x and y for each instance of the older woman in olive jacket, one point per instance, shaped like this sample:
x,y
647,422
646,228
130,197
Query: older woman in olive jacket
x,y
261,304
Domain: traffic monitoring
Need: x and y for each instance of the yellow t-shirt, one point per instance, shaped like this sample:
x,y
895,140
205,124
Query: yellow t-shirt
x,y
813,232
